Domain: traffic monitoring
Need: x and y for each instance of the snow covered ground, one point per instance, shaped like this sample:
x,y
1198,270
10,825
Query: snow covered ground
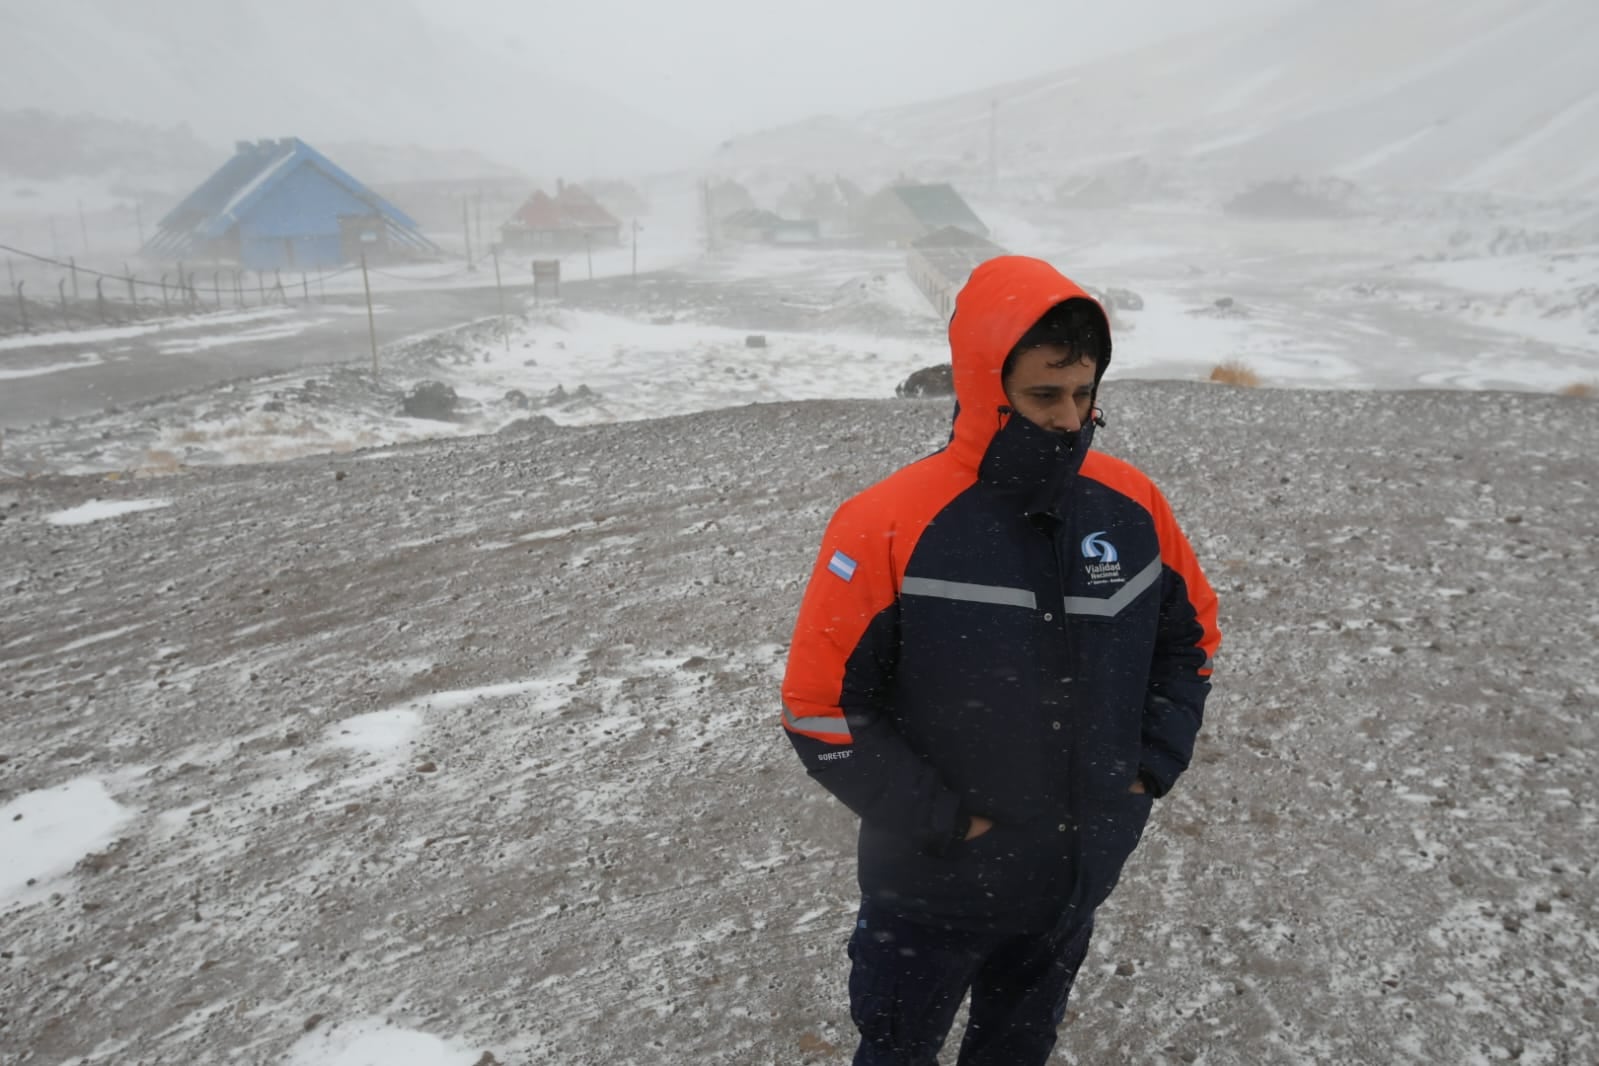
x,y
465,750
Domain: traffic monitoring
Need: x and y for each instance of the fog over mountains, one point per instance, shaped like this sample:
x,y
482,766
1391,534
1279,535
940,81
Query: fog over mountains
x,y
369,70
1494,95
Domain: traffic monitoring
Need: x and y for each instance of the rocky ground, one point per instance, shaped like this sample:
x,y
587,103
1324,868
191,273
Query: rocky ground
x,y
479,737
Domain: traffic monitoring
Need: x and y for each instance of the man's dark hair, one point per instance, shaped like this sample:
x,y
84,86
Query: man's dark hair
x,y
1078,326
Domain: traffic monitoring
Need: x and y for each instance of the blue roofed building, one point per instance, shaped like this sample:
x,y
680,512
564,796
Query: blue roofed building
x,y
282,205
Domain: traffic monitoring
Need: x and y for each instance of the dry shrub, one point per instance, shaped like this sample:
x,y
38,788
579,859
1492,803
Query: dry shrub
x,y
258,451
1581,390
158,462
1234,372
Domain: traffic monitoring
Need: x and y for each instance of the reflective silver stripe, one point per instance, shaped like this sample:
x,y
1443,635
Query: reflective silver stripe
x,y
832,727
960,590
1114,605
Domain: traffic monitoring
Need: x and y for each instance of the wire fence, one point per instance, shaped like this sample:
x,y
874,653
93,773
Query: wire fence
x,y
82,295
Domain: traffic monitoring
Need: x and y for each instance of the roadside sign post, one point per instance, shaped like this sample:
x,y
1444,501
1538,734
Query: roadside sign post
x,y
546,272
499,293
371,321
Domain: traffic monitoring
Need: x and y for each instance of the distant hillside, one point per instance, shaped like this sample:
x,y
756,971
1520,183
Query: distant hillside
x,y
397,163
1493,95
43,146
373,70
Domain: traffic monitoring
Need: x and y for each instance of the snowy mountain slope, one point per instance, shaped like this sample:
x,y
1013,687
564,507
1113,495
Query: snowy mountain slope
x,y
1493,95
359,69
477,740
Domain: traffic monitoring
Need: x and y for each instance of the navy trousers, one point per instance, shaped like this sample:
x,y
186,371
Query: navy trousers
x,y
907,981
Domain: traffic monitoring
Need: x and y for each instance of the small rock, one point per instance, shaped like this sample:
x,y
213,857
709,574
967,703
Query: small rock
x,y
935,380
1124,299
338,475
1124,969
427,768
430,399
313,1021
755,340
812,1044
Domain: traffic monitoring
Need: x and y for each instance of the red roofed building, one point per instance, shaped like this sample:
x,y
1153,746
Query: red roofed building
x,y
568,220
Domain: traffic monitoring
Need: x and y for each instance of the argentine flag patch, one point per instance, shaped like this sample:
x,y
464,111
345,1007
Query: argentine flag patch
x,y
842,565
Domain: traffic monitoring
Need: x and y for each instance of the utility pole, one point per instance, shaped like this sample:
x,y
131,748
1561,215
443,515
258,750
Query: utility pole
x,y
993,146
499,294
710,223
635,249
466,230
588,249
371,322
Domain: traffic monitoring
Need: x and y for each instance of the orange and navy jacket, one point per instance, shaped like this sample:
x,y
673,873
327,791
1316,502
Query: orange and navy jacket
x,y
1012,627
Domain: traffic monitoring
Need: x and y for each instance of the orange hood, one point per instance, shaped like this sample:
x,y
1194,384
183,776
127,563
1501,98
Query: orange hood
x,y
1002,300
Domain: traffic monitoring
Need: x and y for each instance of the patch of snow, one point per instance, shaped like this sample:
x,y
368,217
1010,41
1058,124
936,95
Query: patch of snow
x,y
157,325
44,833
98,510
81,362
374,1042
376,733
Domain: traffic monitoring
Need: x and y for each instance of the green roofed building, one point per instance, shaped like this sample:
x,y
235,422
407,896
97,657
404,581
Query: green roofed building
x,y
903,213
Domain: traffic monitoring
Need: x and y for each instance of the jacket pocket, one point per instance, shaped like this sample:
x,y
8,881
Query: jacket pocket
x,y
1110,834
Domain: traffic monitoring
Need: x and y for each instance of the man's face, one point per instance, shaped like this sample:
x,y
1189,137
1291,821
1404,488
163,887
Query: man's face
x,y
1051,388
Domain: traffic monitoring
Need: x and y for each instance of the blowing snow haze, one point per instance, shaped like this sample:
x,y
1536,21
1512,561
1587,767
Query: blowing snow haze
x,y
1494,95
600,87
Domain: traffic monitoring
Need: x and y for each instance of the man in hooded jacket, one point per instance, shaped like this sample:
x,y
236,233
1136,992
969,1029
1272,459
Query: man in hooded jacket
x,y
1001,659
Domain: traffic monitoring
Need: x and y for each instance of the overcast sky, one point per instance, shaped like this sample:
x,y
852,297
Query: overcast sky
x,y
720,67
